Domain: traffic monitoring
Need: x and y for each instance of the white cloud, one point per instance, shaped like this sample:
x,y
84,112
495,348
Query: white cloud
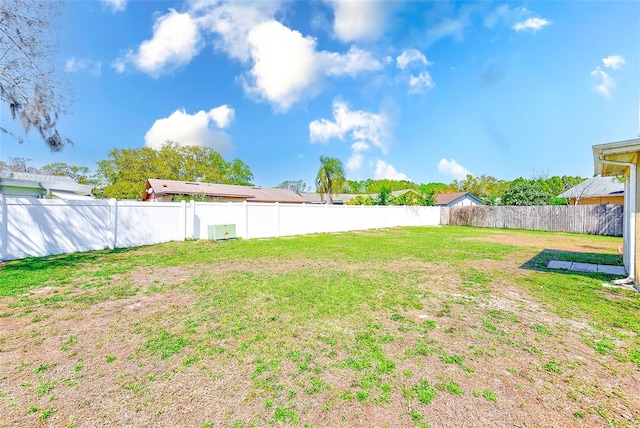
x,y
232,22
176,40
75,65
190,130
355,162
453,169
409,56
386,171
441,26
532,24
358,20
281,75
285,76
614,61
359,146
222,115
420,83
361,126
448,27
604,83
115,5
119,64
506,14
354,62
282,66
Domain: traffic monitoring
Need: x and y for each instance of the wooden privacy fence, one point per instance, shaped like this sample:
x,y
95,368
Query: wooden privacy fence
x,y
589,219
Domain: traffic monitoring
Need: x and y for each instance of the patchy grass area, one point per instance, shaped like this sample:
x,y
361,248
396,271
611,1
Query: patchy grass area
x,y
406,327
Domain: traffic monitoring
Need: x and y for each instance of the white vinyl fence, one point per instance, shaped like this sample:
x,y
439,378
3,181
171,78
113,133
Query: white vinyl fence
x,y
38,227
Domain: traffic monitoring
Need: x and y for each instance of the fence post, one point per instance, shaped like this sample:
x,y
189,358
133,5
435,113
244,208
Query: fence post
x,y
193,220
246,219
304,218
277,219
4,227
183,220
326,216
113,214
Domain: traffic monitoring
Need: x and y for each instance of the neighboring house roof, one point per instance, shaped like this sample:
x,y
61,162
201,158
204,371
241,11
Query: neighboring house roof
x,y
55,184
595,187
252,194
449,199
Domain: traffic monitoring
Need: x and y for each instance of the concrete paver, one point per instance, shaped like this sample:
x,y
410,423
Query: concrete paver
x,y
587,267
584,267
612,270
557,264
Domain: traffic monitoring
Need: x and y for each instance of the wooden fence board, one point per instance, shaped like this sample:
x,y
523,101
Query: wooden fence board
x,y
588,219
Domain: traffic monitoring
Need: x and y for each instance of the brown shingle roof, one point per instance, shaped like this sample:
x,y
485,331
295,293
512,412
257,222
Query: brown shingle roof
x,y
445,198
252,194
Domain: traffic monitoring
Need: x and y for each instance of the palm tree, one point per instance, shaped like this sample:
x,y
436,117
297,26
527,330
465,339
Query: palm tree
x,y
330,179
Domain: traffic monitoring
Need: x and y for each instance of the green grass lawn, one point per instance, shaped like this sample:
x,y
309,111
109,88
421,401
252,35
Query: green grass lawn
x,y
379,328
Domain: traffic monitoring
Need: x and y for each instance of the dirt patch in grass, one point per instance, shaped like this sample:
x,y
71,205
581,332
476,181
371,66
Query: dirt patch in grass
x,y
468,345
555,241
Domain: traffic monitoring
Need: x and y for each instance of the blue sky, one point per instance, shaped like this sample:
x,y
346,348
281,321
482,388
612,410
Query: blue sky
x,y
426,91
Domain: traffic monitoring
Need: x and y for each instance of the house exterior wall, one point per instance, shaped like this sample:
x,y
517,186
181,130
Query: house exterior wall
x,y
618,200
636,238
465,202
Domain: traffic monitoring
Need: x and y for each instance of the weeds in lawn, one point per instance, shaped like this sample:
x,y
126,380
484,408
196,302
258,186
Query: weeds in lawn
x,y
44,387
450,386
165,344
424,392
321,325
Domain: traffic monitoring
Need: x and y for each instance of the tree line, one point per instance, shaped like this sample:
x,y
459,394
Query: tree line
x,y
122,175
490,190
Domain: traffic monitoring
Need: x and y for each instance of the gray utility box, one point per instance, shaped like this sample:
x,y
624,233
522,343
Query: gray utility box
x,y
220,232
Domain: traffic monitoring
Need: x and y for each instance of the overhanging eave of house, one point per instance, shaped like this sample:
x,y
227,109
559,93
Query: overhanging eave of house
x,y
619,151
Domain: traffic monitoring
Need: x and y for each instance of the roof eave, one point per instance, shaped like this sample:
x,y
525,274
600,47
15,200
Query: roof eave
x,y
618,151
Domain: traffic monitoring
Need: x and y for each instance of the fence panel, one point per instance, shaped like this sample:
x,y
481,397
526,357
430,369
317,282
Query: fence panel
x,y
589,219
207,214
144,223
262,220
39,227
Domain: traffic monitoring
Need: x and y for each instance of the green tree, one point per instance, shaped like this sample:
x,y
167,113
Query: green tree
x,y
414,199
361,200
125,171
297,186
559,185
384,197
523,192
432,188
375,186
358,186
330,178
80,174
484,187
238,172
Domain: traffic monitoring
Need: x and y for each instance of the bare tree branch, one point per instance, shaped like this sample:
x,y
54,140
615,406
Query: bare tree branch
x,y
29,82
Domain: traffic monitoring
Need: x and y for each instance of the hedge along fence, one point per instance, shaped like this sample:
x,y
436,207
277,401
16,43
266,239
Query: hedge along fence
x,y
588,219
